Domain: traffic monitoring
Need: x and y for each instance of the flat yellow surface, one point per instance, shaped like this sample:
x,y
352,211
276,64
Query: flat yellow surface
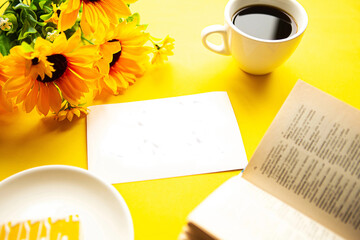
x,y
328,58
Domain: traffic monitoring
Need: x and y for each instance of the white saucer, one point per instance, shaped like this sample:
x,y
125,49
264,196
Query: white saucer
x,y
58,191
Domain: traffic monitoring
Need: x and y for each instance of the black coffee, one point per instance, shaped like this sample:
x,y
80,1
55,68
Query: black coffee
x,y
265,22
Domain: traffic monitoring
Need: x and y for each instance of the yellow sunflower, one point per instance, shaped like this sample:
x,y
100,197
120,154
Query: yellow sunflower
x,y
69,112
163,50
5,104
96,15
124,57
57,9
50,72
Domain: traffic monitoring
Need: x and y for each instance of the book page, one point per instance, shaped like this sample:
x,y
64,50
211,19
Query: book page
x,y
310,159
240,210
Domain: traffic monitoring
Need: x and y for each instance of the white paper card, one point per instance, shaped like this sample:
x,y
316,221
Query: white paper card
x,y
164,138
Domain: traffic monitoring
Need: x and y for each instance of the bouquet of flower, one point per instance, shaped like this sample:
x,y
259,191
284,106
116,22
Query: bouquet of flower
x,y
55,52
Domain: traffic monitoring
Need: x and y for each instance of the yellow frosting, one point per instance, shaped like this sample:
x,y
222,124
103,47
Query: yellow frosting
x,y
45,229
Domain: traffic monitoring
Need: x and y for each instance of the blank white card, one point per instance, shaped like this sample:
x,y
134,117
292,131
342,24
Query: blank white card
x,y
164,138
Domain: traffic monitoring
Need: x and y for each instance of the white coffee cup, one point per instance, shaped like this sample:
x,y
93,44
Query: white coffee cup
x,y
254,55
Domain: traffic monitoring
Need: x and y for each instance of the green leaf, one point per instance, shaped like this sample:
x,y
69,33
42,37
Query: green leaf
x,y
28,15
23,16
26,47
5,44
33,7
32,19
22,6
47,9
31,13
45,17
26,30
42,3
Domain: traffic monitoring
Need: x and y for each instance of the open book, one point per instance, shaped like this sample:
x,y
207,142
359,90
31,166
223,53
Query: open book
x,y
303,181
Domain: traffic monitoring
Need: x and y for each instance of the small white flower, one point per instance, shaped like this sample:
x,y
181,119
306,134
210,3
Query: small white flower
x,y
51,36
5,24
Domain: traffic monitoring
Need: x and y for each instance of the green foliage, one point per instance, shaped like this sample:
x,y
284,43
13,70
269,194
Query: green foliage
x,y
12,18
27,22
5,44
135,18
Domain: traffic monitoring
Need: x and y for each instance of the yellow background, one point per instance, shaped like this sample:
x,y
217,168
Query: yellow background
x,y
328,58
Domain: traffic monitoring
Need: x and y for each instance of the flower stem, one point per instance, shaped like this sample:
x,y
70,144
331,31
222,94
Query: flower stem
x,y
87,40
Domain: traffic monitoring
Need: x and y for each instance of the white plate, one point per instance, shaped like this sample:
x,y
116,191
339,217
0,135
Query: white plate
x,y
61,190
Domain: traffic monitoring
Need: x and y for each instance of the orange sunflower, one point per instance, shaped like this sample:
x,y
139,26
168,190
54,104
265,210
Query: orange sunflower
x,y
162,50
97,15
56,12
5,103
68,113
52,71
124,57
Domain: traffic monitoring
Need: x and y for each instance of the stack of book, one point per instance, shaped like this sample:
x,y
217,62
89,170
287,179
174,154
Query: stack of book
x,y
303,181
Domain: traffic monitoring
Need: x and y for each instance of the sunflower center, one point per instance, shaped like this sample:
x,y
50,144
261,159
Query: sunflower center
x,y
35,61
58,12
116,56
60,65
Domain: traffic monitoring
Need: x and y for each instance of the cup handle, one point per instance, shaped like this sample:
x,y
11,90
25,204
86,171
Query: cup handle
x,y
221,49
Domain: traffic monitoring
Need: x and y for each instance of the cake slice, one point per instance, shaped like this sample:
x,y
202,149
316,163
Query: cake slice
x,y
46,229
